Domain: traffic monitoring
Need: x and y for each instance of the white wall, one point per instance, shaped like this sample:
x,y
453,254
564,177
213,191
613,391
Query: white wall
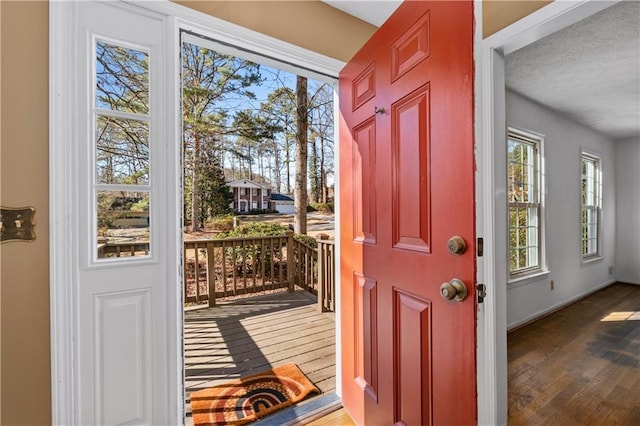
x,y
563,144
628,210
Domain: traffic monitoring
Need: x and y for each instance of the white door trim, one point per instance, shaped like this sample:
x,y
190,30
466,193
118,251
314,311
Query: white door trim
x,y
63,226
491,185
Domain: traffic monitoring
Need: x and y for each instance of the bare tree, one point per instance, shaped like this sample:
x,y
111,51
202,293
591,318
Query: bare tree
x,y
300,190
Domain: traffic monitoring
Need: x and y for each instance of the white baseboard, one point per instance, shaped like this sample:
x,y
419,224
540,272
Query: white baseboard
x,y
557,306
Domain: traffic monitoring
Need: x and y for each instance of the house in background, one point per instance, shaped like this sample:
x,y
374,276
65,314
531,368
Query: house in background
x,y
249,195
281,203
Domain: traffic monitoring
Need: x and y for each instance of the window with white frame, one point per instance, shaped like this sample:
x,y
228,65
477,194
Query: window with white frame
x,y
122,123
590,206
525,204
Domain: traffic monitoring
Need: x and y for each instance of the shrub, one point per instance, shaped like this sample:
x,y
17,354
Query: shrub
x,y
306,239
322,207
255,229
220,223
252,254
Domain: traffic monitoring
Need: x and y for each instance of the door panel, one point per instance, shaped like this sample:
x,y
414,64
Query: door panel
x,y
410,172
412,360
125,305
407,186
365,319
364,170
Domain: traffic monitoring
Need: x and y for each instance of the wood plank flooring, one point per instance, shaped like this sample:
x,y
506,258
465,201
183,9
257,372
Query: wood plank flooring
x,y
337,418
580,365
246,336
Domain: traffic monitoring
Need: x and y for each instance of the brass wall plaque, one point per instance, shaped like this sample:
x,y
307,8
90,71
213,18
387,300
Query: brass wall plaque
x,y
17,224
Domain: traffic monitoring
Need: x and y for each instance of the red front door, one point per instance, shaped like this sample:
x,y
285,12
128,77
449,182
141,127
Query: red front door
x,y
407,187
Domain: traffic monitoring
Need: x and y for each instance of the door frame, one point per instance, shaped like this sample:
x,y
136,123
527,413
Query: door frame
x,y
63,282
490,126
491,186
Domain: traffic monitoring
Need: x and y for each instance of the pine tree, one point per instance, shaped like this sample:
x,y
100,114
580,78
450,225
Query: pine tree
x,y
215,194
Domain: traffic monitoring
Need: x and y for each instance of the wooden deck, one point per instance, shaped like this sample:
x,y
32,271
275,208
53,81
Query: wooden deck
x,y
246,336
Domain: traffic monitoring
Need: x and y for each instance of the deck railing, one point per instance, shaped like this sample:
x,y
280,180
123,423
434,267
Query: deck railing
x,y
123,249
220,268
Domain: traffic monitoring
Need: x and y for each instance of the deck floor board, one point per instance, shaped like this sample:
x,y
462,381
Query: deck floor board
x,y
247,336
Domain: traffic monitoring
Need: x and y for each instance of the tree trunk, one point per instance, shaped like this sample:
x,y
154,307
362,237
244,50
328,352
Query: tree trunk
x,y
195,195
300,192
313,170
277,168
287,161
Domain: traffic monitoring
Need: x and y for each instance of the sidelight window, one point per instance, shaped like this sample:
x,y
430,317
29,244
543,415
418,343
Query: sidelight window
x,y
121,189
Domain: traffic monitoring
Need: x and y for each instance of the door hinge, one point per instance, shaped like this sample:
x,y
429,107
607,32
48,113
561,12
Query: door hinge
x,y
482,292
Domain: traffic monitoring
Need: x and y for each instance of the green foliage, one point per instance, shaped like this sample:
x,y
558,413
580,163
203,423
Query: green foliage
x,y
220,223
113,205
215,194
106,215
322,207
140,206
253,254
255,229
306,239
254,212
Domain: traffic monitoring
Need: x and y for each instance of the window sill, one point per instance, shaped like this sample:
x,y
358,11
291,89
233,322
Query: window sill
x,y
528,279
590,260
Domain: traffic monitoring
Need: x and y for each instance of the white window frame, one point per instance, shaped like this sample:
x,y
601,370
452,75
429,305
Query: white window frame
x,y
595,188
537,141
97,186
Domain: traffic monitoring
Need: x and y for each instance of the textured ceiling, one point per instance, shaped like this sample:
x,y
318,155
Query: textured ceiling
x,y
589,72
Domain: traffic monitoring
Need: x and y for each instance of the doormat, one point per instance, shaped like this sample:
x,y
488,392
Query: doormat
x,y
246,399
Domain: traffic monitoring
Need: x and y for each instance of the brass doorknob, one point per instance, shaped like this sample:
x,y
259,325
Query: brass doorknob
x,y
454,290
456,245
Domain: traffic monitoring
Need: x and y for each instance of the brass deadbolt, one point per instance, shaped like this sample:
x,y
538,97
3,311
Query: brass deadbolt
x,y
454,290
456,245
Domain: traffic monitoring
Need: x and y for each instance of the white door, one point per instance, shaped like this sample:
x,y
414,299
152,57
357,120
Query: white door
x,y
123,161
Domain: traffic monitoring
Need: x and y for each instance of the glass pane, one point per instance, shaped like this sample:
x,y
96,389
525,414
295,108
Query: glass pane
x,y
532,256
122,79
122,151
123,223
522,258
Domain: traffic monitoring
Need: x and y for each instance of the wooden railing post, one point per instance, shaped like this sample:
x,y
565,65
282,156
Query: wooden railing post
x,y
322,273
290,260
211,274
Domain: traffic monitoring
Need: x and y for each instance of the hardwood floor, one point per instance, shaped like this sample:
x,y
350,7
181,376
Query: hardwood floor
x,y
337,418
580,365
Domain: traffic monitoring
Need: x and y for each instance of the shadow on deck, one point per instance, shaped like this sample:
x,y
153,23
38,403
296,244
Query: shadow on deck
x,y
247,336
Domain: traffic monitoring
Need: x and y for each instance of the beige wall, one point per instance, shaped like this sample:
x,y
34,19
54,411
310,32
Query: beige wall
x,y
498,14
285,20
24,280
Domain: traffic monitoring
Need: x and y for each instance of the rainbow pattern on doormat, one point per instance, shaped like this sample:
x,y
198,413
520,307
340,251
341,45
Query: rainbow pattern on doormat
x,y
249,398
